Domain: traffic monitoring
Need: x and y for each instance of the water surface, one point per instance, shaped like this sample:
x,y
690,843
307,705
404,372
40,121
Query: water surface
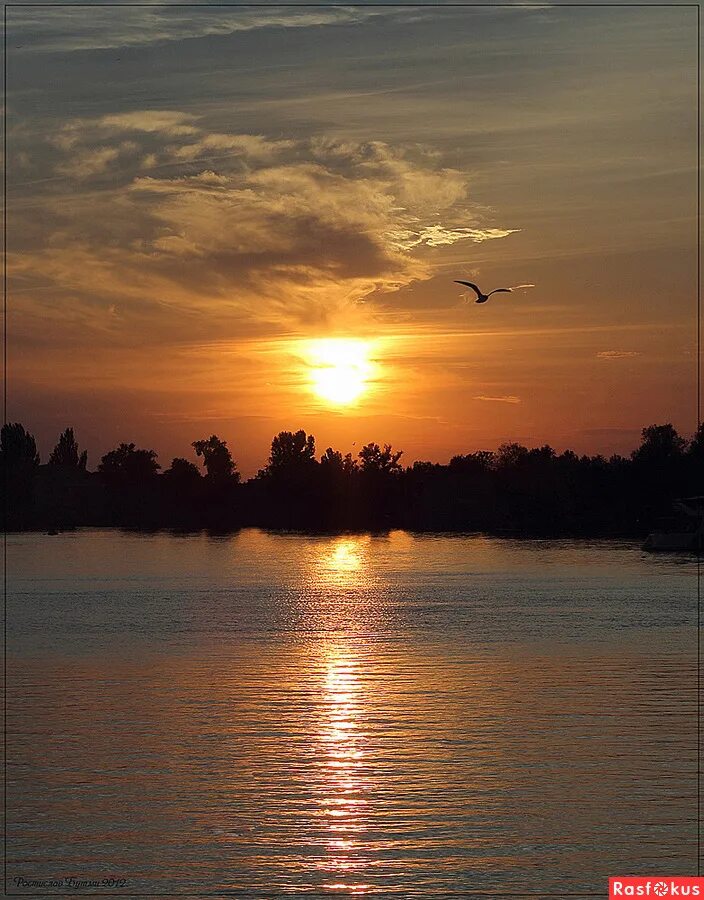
x,y
265,715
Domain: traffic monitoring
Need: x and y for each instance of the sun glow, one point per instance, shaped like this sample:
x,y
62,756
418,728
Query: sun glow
x,y
340,369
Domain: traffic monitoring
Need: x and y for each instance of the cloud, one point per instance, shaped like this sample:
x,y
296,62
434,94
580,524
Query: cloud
x,y
438,236
61,30
159,121
79,132
254,146
616,354
280,234
86,163
90,162
509,398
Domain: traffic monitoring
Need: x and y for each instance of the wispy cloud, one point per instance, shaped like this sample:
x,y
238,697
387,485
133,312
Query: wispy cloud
x,y
439,235
616,354
56,29
158,121
81,133
509,398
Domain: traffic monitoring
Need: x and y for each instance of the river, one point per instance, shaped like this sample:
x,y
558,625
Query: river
x,y
272,715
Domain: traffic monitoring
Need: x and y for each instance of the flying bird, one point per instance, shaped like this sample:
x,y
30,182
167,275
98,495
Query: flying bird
x,y
482,298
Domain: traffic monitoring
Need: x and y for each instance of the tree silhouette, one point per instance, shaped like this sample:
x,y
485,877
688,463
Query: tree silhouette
x,y
658,472
66,453
381,483
380,462
660,443
291,454
130,477
695,460
478,463
334,463
289,488
338,490
20,461
513,490
510,456
182,473
17,446
217,459
182,494
696,445
128,466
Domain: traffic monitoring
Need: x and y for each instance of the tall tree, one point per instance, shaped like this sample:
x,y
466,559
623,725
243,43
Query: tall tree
x,y
67,454
291,453
18,446
217,459
509,456
20,462
660,443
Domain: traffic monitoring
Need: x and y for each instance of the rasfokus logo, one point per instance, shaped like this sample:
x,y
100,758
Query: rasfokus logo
x,y
656,886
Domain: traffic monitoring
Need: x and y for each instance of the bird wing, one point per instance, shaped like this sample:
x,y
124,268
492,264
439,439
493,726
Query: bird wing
x,y
470,285
500,291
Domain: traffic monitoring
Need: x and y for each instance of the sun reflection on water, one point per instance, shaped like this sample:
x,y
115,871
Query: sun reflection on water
x,y
343,563
346,556
346,608
343,796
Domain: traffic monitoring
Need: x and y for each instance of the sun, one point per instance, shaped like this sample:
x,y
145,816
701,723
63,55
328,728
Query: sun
x,y
340,369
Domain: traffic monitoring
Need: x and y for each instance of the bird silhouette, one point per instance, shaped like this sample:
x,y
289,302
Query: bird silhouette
x,y
482,298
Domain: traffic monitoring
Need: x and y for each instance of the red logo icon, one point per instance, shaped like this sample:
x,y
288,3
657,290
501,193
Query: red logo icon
x,y
655,886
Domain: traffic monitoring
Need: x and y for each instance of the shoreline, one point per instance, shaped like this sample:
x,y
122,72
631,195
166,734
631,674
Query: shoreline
x,y
342,532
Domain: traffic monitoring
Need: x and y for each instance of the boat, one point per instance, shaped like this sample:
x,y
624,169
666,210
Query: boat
x,y
683,531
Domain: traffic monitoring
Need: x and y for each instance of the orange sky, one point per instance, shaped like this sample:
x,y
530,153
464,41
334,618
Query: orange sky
x,y
196,195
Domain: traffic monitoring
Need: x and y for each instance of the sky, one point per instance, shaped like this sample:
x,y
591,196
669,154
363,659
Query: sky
x,y
244,220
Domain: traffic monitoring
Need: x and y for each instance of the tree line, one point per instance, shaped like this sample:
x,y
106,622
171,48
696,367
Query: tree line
x,y
512,490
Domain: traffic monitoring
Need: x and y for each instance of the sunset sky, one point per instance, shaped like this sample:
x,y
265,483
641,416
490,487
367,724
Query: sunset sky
x,y
247,220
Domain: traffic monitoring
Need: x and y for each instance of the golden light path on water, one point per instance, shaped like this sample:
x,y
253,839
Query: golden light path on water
x,y
344,802
342,736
